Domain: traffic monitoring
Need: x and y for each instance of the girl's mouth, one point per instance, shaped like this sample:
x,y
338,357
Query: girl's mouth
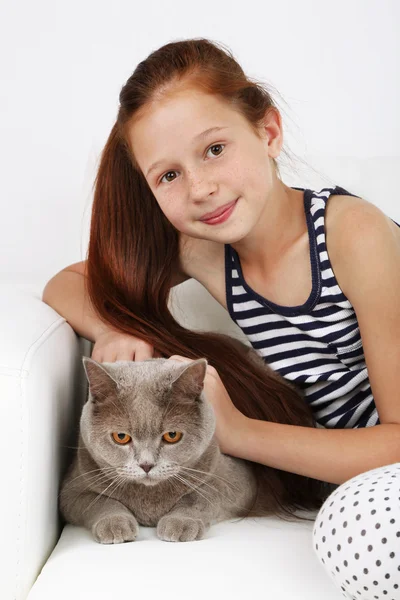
x,y
222,217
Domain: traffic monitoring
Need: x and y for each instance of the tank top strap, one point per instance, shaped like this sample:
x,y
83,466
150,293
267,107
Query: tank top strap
x,y
315,203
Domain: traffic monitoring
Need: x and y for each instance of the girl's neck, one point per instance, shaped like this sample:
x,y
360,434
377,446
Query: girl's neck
x,y
282,223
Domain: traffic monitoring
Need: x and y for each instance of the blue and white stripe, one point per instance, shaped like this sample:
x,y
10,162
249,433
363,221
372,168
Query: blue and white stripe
x,y
316,345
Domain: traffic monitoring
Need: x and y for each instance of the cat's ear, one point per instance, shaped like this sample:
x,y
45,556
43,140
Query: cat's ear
x,y
101,383
190,379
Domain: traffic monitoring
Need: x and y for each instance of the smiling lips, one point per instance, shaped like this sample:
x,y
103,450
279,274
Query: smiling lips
x,y
219,214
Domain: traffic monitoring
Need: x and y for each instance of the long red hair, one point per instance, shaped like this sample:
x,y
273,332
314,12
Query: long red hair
x,y
134,252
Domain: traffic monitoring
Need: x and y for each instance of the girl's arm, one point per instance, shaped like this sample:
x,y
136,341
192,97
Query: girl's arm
x,y
364,250
333,455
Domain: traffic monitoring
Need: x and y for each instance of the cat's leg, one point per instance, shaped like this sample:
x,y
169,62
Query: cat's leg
x,y
189,519
227,494
108,519
357,534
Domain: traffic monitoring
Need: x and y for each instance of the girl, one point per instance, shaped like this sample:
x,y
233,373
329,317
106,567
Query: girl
x,y
188,186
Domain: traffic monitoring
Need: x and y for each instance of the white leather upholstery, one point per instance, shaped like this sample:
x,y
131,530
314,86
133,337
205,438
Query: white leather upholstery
x,y
42,384
42,390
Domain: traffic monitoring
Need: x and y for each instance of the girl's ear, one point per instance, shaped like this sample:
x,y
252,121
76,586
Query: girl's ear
x,y
271,131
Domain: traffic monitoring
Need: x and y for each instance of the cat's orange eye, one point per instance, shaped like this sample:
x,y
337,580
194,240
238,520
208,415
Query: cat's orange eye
x,y
121,438
172,436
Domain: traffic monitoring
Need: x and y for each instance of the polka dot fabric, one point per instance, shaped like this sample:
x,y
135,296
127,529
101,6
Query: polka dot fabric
x,y
356,535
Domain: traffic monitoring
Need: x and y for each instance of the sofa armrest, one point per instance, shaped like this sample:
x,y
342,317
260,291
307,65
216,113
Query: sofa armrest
x,y
43,387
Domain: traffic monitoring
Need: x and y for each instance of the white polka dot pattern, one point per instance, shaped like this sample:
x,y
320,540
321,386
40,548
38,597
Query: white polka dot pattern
x,y
356,535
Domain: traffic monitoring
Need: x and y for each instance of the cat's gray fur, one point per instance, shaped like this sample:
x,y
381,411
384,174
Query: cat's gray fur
x,y
191,485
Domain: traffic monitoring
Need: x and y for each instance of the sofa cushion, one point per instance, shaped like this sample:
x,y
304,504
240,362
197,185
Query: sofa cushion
x,y
261,557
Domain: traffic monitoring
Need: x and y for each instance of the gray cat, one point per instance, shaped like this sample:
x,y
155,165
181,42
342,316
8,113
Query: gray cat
x,y
147,455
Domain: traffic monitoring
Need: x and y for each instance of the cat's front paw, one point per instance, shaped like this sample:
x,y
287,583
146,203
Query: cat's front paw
x,y
116,529
180,528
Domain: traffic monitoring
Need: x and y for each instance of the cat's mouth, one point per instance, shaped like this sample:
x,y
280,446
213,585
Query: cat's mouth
x,y
141,477
148,478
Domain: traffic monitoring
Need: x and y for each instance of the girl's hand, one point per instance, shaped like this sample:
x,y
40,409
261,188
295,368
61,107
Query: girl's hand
x,y
229,419
111,346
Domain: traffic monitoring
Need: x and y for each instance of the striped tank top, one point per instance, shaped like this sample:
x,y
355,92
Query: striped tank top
x,y
316,345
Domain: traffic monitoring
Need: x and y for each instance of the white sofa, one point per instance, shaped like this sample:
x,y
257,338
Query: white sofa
x,y
43,387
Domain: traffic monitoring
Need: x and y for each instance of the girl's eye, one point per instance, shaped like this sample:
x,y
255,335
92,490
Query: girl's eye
x,y
213,146
216,146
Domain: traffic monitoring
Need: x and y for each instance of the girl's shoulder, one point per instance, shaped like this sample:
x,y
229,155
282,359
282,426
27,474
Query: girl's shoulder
x,y
196,254
345,215
203,260
348,219
341,207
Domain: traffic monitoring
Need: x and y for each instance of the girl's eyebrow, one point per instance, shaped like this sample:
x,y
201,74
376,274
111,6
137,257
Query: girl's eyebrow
x,y
204,134
199,136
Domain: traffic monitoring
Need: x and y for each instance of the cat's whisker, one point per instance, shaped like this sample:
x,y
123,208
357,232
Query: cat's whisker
x,y
213,475
95,479
193,488
202,482
188,484
120,482
197,478
104,469
98,496
98,478
173,483
219,491
227,499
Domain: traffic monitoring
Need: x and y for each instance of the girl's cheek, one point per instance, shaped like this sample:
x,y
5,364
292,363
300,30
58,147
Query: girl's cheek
x,y
175,215
174,210
178,222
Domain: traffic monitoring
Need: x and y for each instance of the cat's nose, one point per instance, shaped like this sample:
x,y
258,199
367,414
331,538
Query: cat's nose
x,y
146,467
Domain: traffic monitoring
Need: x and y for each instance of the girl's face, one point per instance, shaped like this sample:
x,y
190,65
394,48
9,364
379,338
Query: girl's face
x,y
192,173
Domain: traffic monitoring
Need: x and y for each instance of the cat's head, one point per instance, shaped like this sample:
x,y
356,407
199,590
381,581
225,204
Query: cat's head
x,y
151,412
